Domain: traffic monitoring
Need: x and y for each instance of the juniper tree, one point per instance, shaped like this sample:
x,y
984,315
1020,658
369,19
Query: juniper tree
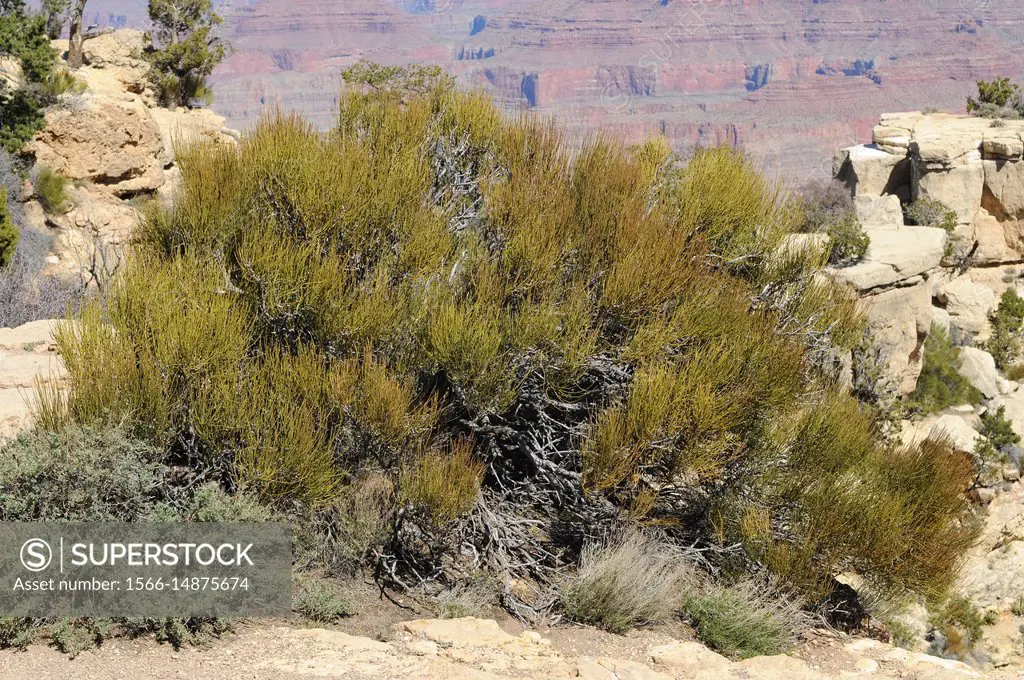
x,y
186,49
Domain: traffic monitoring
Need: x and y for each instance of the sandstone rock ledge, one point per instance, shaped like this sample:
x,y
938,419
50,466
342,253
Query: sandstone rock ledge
x,y
27,355
478,649
910,278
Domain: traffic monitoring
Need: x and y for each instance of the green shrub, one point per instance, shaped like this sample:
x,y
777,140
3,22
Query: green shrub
x,y
1004,343
186,50
23,35
829,209
444,484
745,619
9,233
433,290
940,384
960,622
627,582
996,98
18,632
21,117
927,212
339,536
1017,608
78,474
51,189
322,601
997,428
210,503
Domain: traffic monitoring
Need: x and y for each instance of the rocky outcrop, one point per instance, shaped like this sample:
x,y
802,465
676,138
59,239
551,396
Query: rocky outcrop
x,y
115,145
27,358
913,276
478,649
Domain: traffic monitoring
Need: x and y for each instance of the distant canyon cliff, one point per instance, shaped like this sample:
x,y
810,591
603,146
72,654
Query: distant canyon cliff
x,y
788,80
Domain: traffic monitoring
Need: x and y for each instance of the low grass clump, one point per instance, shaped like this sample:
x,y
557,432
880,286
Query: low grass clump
x,y
629,581
510,334
940,384
750,618
1017,608
51,188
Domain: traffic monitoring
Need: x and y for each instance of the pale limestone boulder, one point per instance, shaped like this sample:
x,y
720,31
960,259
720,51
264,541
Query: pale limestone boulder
x,y
184,127
891,137
996,243
687,657
879,212
113,143
27,355
993,576
776,668
794,244
969,304
605,668
908,251
959,188
950,426
460,633
1004,182
11,72
946,147
1003,148
979,368
869,171
867,275
99,214
900,319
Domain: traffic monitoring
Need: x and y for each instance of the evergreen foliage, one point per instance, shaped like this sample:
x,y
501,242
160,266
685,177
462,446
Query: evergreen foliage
x,y
1004,343
520,338
9,234
23,35
186,49
999,98
940,384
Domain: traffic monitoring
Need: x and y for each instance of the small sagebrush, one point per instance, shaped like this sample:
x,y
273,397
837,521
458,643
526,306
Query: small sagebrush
x,y
630,581
928,212
829,209
322,601
750,618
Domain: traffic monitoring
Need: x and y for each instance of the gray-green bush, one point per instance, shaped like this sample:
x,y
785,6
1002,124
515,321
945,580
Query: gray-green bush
x,y
829,209
750,618
629,581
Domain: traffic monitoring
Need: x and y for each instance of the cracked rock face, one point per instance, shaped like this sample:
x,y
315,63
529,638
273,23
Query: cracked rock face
x,y
113,143
915,276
